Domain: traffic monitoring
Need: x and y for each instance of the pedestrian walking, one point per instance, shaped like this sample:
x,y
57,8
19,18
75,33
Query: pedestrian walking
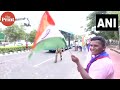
x,y
58,51
88,44
80,45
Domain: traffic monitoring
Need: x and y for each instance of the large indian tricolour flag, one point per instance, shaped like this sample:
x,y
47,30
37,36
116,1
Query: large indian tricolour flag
x,y
48,37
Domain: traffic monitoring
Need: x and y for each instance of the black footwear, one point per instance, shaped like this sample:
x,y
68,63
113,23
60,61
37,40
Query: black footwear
x,y
55,62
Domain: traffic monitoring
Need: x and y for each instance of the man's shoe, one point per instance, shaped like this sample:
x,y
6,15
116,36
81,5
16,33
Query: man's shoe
x,y
55,62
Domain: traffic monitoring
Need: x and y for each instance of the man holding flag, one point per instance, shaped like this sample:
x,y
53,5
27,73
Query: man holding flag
x,y
100,66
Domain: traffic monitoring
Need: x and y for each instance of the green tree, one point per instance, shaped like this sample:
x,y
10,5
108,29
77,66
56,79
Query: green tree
x,y
31,36
105,34
115,12
92,19
116,33
15,32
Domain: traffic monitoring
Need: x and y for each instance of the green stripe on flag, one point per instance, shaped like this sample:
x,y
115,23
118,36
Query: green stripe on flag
x,y
50,43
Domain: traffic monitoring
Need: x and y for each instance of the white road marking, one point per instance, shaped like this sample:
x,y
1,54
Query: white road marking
x,y
43,62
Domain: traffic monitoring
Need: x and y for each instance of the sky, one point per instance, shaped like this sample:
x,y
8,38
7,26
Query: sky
x,y
70,21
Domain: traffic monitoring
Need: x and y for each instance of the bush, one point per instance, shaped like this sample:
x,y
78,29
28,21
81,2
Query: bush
x,y
4,50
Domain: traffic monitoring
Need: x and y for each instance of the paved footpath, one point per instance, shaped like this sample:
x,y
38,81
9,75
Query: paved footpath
x,y
116,61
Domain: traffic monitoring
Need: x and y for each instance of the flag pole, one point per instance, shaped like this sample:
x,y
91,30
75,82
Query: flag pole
x,y
70,51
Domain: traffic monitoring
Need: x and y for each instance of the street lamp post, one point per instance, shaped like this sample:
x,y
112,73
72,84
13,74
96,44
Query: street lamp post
x,y
27,25
119,37
68,39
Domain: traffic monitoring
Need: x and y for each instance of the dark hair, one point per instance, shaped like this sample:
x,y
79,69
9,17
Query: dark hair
x,y
101,39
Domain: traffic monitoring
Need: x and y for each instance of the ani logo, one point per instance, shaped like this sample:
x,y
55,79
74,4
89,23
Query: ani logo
x,y
107,22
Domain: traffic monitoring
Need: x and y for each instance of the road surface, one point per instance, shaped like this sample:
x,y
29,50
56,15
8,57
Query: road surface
x,y
41,66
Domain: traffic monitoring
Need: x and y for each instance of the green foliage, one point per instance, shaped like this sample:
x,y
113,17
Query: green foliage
x,y
31,36
92,19
115,12
4,50
2,36
14,33
106,34
109,34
